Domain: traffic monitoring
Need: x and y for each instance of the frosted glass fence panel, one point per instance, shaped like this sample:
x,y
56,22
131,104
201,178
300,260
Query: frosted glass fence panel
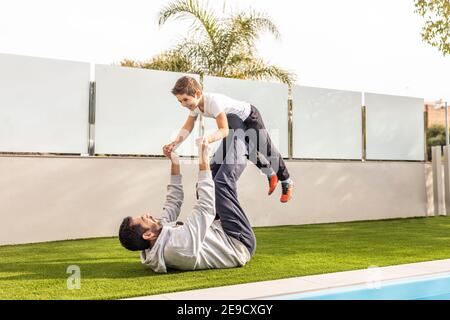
x,y
270,99
44,105
326,123
136,113
394,127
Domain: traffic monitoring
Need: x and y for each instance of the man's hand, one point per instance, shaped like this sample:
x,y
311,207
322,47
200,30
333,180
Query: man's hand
x,y
172,155
203,153
171,146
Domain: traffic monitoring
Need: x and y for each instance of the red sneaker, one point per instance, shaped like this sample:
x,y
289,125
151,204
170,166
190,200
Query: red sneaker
x,y
288,188
273,181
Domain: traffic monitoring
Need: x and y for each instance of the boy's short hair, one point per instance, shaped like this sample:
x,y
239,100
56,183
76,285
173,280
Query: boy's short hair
x,y
186,85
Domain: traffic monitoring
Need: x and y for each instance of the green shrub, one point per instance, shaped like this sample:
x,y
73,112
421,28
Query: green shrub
x,y
435,137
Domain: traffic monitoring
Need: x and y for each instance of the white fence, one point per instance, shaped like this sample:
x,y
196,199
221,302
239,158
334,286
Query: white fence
x,y
136,112
44,107
271,99
395,127
326,123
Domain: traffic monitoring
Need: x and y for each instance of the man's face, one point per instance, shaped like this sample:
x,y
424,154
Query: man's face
x,y
188,101
147,222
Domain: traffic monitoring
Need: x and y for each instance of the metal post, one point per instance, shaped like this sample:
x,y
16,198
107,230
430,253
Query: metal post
x,y
92,98
446,180
446,124
363,123
290,129
438,186
425,133
201,126
446,165
201,122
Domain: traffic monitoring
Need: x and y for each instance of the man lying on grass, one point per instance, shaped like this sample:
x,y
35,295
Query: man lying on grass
x,y
203,241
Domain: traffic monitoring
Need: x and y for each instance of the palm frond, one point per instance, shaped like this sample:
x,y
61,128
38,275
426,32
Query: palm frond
x,y
257,69
253,23
199,53
169,61
204,18
242,30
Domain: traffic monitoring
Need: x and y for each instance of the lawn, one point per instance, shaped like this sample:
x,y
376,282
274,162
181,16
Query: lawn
x,y
38,271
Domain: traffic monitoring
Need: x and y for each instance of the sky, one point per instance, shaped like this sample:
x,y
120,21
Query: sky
x,y
357,45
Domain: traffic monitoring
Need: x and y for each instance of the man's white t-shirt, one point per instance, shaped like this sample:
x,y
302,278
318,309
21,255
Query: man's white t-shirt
x,y
215,103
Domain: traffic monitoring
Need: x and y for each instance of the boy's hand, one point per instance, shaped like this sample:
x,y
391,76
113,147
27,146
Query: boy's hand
x,y
171,146
167,151
172,155
174,158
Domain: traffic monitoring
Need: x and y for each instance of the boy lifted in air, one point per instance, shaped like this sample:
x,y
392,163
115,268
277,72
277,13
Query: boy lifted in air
x,y
261,150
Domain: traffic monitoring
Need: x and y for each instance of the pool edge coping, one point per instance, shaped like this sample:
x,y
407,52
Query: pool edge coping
x,y
308,284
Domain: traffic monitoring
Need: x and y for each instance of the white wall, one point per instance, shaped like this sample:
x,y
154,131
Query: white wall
x,y
54,198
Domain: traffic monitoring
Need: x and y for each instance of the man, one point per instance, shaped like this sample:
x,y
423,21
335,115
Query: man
x,y
202,242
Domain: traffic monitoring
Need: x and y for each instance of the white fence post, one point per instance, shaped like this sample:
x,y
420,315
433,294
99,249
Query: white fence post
x,y
437,181
447,180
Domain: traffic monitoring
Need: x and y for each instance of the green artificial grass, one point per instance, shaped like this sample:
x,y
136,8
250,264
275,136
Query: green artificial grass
x,y
38,271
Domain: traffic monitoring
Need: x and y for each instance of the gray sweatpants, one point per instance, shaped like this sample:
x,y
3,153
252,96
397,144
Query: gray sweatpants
x,y
227,165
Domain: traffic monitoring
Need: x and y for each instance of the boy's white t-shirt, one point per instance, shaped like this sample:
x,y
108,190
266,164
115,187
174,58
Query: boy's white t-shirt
x,y
215,103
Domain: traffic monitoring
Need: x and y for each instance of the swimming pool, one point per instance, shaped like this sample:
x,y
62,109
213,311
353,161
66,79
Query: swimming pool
x,y
425,288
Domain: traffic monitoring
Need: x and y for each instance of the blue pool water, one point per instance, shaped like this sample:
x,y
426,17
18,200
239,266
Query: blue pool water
x,y
429,288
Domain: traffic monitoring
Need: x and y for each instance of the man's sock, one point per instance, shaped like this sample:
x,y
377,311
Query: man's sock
x,y
288,180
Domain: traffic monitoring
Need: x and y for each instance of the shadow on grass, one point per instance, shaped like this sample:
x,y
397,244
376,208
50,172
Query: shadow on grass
x,y
89,270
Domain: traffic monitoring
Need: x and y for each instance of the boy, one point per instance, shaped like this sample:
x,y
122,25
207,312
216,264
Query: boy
x,y
218,106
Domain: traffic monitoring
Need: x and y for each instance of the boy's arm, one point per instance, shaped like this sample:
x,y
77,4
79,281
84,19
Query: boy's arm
x,y
222,125
184,131
175,195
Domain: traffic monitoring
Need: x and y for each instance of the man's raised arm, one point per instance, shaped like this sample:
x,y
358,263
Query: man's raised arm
x,y
204,210
174,197
205,188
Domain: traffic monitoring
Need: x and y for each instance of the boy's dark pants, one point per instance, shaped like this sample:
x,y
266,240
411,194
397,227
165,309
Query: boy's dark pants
x,y
261,150
247,138
226,169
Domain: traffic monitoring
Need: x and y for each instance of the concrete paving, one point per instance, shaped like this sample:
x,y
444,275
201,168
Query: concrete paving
x,y
371,276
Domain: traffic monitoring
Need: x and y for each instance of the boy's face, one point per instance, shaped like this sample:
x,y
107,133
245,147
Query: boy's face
x,y
188,101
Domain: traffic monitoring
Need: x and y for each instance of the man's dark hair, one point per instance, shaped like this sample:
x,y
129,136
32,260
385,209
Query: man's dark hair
x,y
130,236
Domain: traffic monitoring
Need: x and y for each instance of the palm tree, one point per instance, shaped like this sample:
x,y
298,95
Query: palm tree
x,y
223,47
